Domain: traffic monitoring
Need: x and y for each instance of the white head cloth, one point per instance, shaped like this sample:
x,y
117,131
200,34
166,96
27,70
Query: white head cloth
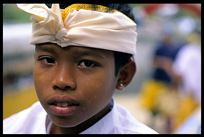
x,y
103,30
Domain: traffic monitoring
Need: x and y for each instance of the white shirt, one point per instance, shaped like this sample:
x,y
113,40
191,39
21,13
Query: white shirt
x,y
34,120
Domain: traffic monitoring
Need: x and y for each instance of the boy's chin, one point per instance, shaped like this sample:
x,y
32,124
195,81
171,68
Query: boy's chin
x,y
65,122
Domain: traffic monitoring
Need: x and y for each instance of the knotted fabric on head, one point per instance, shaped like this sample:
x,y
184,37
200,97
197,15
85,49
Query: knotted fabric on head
x,y
81,25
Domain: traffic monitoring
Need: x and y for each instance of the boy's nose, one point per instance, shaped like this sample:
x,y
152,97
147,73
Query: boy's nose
x,y
63,79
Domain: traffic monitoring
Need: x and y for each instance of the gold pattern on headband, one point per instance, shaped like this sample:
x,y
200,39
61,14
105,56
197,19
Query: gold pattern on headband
x,y
72,7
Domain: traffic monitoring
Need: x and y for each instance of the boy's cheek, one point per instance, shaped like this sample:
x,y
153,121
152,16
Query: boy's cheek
x,y
41,82
100,87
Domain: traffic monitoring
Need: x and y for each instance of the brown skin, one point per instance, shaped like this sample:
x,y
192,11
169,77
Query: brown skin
x,y
86,75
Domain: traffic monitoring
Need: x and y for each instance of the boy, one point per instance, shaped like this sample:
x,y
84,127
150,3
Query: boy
x,y
82,54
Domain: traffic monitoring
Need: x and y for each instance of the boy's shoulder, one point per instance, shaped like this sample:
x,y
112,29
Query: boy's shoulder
x,y
30,120
132,125
119,121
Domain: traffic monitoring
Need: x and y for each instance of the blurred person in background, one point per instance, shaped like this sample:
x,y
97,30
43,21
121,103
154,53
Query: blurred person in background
x,y
177,98
174,88
185,73
160,81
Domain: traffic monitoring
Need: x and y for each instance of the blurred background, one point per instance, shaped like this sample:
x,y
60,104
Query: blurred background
x,y
165,93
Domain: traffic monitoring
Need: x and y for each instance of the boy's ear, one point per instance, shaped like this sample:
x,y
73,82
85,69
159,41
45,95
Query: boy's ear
x,y
126,74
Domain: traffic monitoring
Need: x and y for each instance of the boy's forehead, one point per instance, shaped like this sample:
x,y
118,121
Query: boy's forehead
x,y
76,50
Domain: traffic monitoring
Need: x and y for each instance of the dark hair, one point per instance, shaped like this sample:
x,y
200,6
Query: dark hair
x,y
120,58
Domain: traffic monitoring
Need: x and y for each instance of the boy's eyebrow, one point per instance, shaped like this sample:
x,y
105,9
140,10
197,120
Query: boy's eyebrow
x,y
80,52
45,49
89,53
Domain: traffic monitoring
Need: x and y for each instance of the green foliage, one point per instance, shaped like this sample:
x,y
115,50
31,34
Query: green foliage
x,y
11,14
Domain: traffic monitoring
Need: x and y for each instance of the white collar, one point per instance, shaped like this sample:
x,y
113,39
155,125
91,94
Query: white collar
x,y
104,125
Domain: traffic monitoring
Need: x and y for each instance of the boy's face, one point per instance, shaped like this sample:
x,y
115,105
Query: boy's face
x,y
74,84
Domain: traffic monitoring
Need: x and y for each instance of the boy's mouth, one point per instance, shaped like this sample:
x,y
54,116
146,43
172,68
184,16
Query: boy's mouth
x,y
62,105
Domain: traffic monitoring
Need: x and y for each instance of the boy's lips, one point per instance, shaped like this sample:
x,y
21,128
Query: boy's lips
x,y
62,105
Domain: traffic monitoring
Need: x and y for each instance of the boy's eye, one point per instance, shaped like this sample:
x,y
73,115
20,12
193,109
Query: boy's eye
x,y
87,64
47,60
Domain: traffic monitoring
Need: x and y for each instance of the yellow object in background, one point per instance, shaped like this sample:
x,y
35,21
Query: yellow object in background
x,y
187,106
150,93
167,102
14,102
